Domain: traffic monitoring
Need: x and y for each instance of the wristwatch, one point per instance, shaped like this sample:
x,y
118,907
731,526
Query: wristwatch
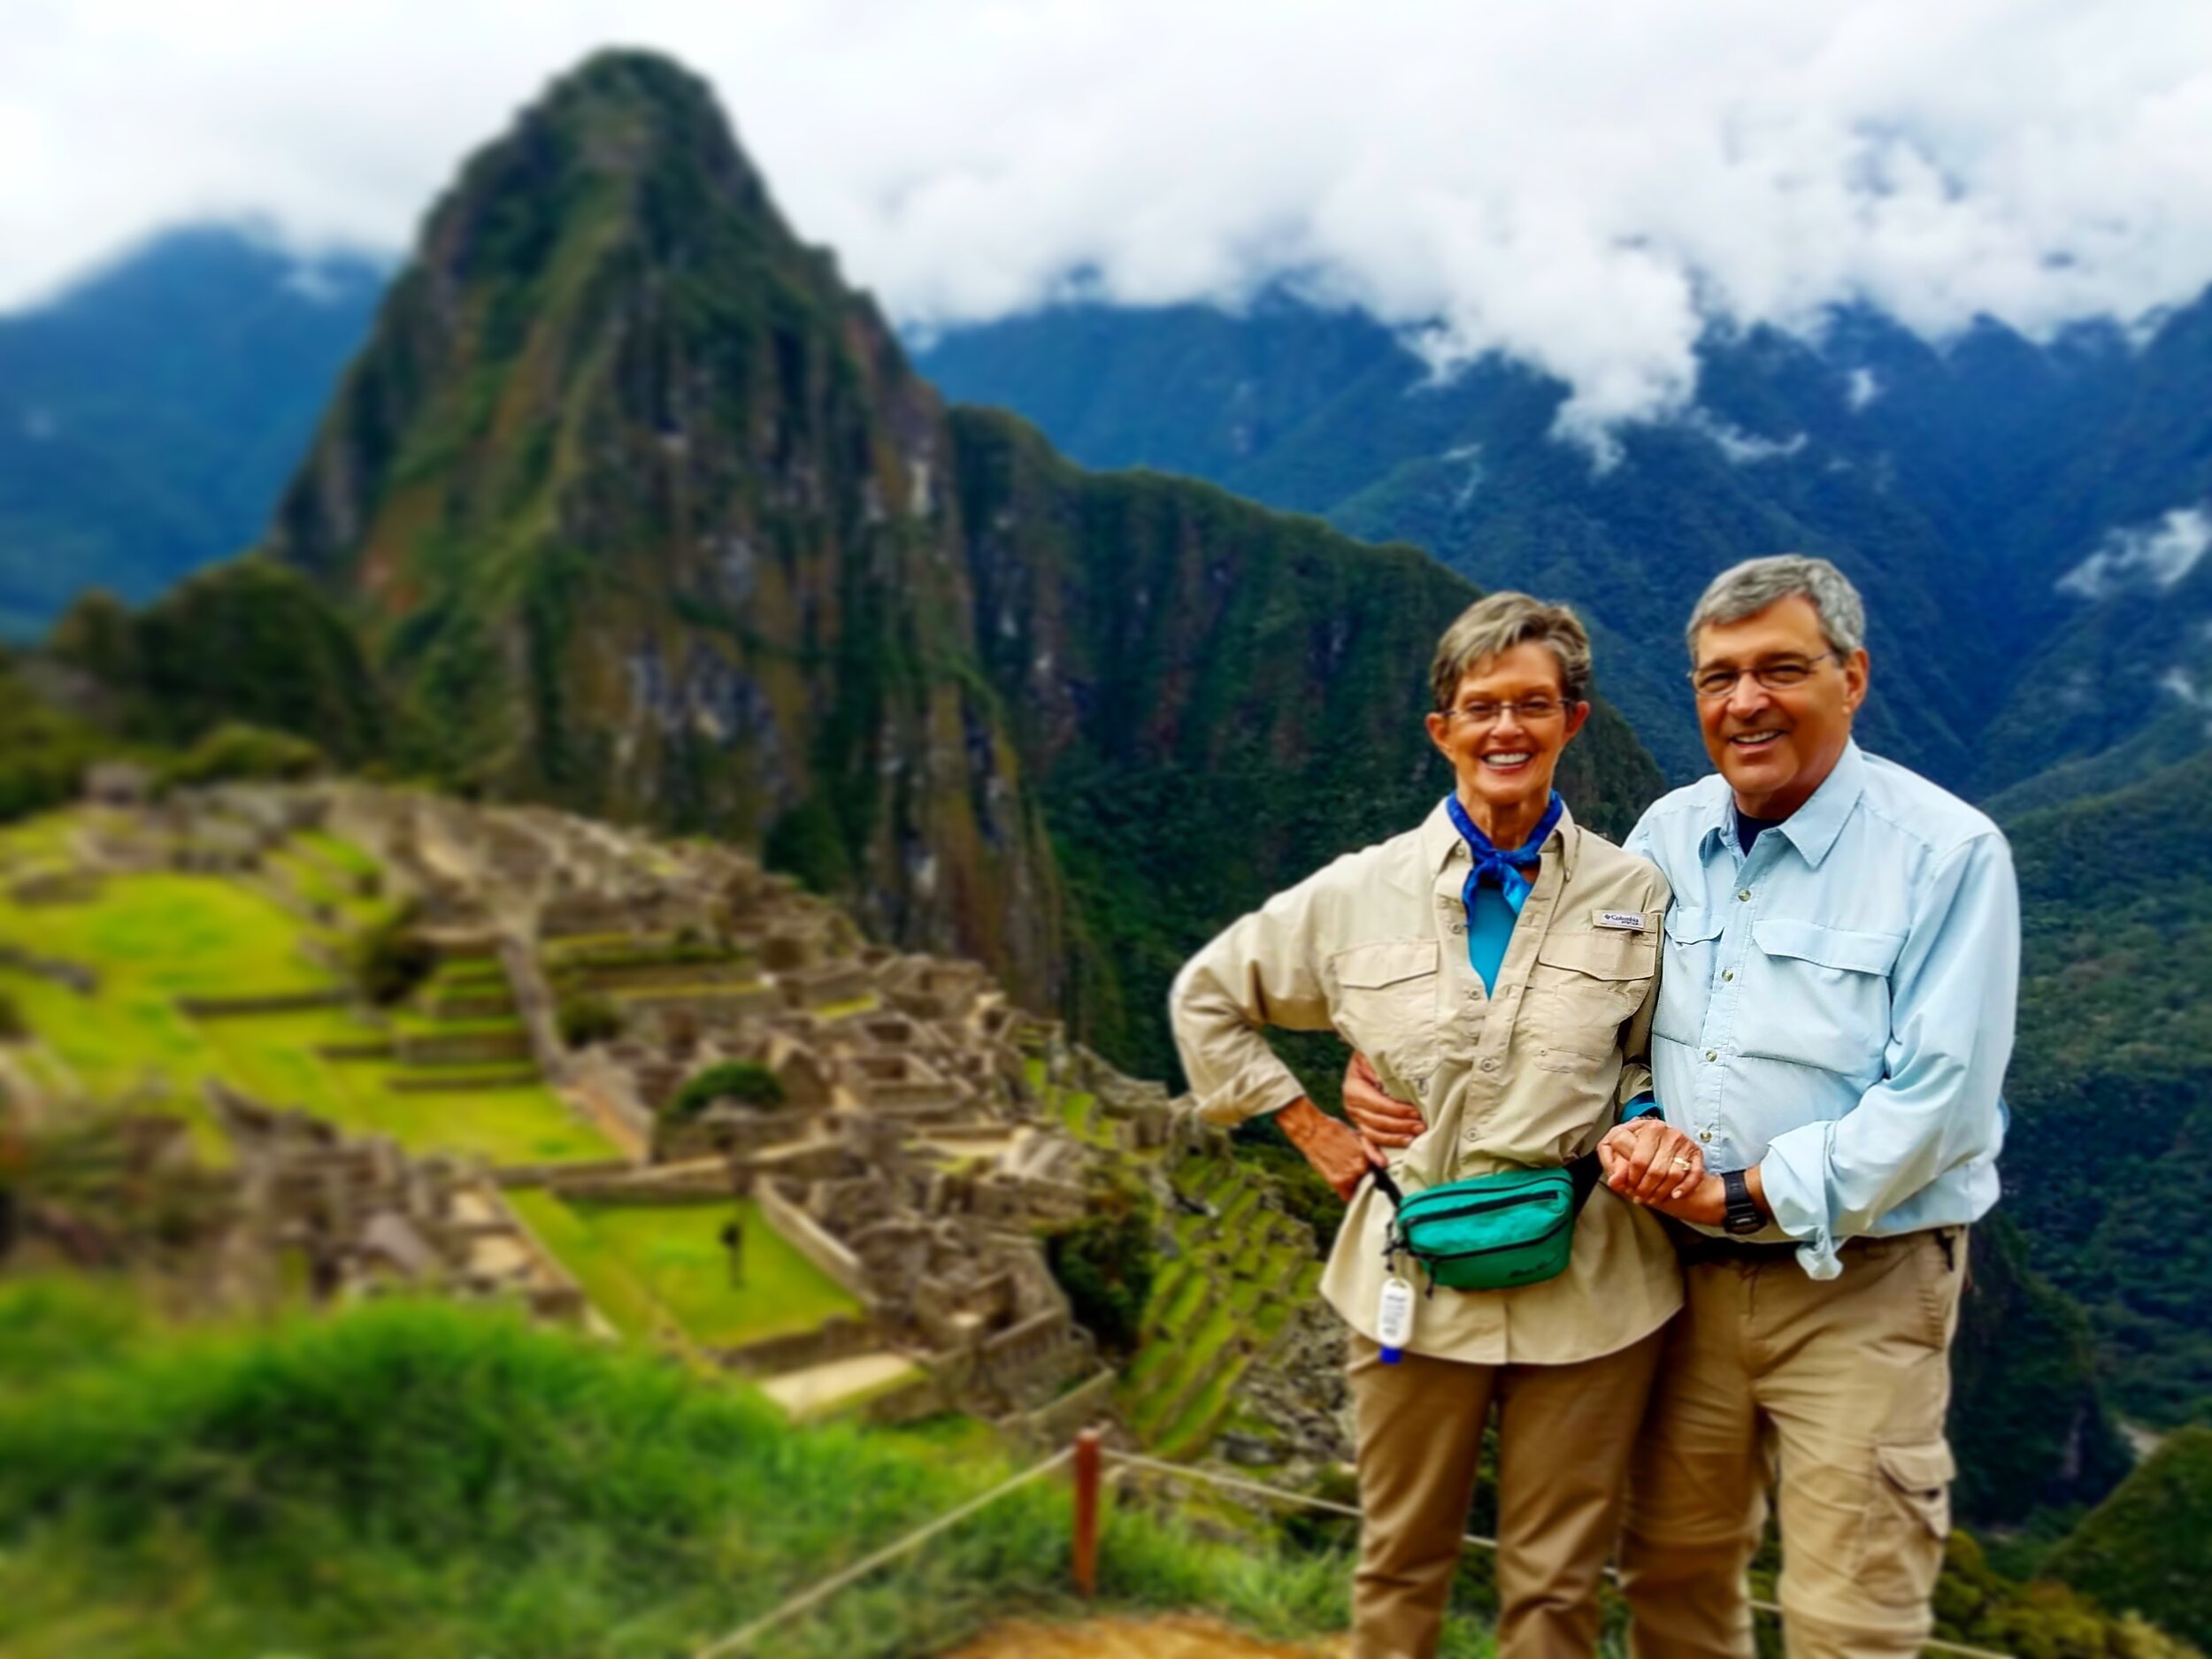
x,y
1742,1214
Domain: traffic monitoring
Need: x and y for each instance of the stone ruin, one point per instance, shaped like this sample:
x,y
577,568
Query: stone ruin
x,y
909,1157
362,1218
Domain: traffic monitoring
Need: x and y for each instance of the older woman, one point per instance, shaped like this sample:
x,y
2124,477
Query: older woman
x,y
1498,964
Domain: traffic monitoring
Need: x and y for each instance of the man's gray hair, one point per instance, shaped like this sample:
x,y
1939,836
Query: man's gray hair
x,y
1497,624
1754,585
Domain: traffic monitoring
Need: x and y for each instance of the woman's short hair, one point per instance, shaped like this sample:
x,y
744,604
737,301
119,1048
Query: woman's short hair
x,y
1497,624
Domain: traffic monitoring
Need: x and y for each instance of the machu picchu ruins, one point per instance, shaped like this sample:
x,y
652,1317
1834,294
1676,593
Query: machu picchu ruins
x,y
650,1088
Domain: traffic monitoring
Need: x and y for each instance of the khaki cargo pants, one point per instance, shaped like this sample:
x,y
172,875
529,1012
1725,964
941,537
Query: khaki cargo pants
x,y
1834,1394
1564,1434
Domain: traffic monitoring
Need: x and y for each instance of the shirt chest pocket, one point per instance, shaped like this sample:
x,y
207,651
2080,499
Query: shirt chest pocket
x,y
1584,983
1692,952
1386,1004
1818,996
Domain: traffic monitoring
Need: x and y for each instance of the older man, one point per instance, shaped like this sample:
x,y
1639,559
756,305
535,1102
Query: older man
x,y
1835,1013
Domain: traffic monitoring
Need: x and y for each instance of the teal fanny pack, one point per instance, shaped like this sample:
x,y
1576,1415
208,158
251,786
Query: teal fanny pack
x,y
1493,1232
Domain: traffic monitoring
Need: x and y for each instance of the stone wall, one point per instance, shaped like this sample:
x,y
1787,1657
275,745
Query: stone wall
x,y
804,1235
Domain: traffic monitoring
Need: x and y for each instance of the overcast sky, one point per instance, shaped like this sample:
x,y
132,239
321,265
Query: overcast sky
x,y
1578,182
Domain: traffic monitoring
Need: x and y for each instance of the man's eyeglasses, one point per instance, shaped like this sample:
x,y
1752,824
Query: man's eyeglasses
x,y
1529,709
1782,674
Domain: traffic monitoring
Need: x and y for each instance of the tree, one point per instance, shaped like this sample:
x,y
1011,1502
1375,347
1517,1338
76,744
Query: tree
x,y
1105,1263
747,1082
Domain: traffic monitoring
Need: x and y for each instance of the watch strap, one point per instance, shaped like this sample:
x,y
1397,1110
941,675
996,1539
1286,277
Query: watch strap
x,y
1741,1214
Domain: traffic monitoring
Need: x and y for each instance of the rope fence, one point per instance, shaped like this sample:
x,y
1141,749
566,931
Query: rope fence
x,y
1089,1456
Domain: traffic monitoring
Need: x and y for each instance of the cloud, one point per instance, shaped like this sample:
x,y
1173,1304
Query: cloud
x,y
1741,447
2156,557
1861,388
1583,185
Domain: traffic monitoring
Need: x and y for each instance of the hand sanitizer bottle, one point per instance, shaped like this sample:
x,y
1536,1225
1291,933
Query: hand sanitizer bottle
x,y
1393,1318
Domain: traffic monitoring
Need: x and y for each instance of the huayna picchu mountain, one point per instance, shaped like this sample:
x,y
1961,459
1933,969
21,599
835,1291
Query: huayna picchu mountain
x,y
639,510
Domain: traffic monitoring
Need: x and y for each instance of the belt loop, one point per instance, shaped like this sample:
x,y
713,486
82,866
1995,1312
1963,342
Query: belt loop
x,y
1948,1237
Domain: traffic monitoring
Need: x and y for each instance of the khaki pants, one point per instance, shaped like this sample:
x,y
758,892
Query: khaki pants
x,y
1564,1433
1833,1392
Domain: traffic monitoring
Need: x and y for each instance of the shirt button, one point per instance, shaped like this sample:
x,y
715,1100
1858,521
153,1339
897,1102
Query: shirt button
x,y
1745,893
1704,1134
1728,973
1712,1054
1489,1065
1459,927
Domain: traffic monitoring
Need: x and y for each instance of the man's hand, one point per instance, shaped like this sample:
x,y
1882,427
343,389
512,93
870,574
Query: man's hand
x,y
1339,1154
1706,1204
1648,1161
1382,1120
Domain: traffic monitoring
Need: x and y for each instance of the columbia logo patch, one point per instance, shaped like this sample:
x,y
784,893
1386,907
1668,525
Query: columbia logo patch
x,y
1627,921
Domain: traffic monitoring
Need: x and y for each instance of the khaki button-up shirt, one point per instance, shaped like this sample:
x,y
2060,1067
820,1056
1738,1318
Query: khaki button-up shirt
x,y
1531,1073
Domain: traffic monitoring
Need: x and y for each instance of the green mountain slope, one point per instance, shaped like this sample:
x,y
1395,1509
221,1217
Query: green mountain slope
x,y
2143,1549
2111,1084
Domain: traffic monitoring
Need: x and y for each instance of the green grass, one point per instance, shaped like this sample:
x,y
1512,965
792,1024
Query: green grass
x,y
447,1483
341,856
154,938
172,934
643,1266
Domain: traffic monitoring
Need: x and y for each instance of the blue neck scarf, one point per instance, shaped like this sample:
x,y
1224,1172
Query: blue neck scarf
x,y
1503,867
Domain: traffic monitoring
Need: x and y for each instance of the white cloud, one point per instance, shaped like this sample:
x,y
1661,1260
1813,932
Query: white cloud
x,y
1580,184
1861,388
1743,448
2151,556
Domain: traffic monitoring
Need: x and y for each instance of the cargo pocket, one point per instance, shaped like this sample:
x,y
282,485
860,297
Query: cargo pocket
x,y
1385,1007
1908,1520
1587,982
1823,996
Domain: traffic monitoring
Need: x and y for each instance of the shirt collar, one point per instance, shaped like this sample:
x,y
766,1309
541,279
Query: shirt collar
x,y
1813,828
1440,839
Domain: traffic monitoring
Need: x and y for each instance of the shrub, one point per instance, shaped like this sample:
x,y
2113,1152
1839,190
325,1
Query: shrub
x,y
1105,1263
586,1019
745,1082
390,959
236,750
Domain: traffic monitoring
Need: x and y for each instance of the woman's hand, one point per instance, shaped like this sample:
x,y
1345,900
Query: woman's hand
x,y
1341,1157
1382,1120
1648,1161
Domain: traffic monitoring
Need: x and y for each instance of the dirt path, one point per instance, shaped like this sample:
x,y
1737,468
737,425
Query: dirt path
x,y
1179,1636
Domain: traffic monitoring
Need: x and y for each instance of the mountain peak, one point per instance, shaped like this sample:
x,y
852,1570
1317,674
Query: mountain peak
x,y
627,146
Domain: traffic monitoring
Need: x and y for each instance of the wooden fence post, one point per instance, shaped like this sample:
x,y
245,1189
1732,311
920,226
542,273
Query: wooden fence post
x,y
1087,1463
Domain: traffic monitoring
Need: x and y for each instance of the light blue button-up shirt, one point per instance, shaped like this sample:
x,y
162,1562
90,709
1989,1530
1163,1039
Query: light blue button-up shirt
x,y
1837,1007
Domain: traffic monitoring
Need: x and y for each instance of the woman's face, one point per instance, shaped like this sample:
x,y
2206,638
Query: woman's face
x,y
1506,727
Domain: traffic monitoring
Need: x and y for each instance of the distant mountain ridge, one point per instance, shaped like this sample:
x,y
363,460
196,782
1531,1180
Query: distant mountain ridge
x,y
1968,488
149,415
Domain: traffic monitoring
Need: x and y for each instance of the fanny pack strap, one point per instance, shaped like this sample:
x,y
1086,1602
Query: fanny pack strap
x,y
1583,1172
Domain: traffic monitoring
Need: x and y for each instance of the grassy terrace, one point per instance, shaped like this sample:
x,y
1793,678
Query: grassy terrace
x,y
154,938
648,1267
1240,1275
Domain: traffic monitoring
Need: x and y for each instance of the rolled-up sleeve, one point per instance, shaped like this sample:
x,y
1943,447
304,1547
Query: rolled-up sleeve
x,y
1261,969
1936,1107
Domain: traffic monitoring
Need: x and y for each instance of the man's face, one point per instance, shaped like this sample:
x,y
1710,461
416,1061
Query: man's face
x,y
1777,745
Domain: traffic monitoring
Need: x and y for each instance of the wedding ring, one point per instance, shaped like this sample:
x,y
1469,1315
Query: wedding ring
x,y
1680,1163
